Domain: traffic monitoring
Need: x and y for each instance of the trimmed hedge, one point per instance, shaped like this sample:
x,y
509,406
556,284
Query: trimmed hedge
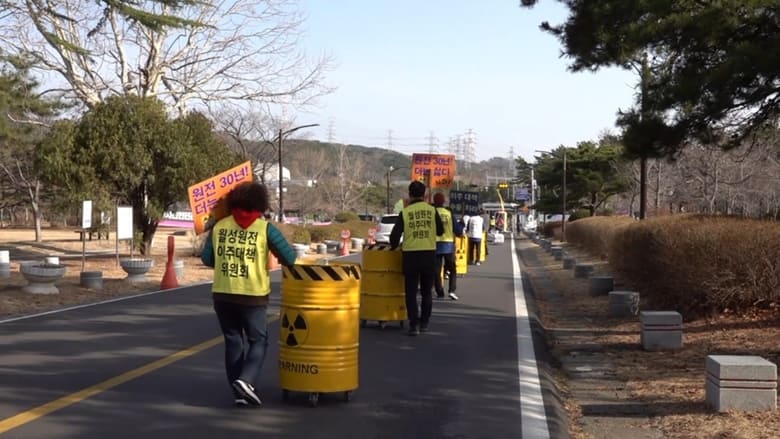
x,y
595,233
695,264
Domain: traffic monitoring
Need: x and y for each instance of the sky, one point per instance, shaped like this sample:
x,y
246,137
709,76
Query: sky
x,y
446,67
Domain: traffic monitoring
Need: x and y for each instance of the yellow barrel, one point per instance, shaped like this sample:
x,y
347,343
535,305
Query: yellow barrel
x,y
319,328
382,295
461,255
483,247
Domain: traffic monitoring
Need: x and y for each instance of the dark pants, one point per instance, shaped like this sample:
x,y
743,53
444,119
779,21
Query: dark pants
x,y
475,250
419,270
245,329
448,261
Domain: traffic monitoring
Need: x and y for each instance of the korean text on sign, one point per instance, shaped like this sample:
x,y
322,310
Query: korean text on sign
x,y
238,249
420,225
204,195
462,202
435,170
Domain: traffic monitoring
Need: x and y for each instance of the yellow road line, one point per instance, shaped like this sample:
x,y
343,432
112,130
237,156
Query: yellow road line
x,y
42,410
68,400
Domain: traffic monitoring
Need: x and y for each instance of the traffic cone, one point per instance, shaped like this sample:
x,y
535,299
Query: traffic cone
x,y
169,278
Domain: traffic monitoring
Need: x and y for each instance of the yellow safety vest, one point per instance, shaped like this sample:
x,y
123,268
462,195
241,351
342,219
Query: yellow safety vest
x,y
240,258
446,220
419,227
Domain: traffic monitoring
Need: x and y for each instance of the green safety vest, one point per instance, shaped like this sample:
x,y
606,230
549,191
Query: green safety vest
x,y
241,258
419,227
446,220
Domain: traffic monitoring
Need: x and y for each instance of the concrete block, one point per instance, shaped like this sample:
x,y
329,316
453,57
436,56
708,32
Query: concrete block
x,y
569,262
583,270
740,382
623,303
661,330
557,252
601,285
5,269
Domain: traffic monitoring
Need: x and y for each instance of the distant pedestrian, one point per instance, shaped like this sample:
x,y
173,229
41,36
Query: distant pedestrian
x,y
419,224
475,231
445,249
238,247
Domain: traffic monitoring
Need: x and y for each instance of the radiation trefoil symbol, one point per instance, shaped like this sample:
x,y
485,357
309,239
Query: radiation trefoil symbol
x,y
295,330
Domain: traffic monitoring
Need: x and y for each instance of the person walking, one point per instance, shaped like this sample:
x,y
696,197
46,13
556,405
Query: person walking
x,y
237,247
419,224
474,233
445,249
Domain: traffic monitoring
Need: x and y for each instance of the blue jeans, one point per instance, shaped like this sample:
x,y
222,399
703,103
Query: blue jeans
x,y
245,329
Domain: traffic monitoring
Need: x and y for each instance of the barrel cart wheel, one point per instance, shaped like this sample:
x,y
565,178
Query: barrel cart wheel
x,y
348,396
285,395
401,324
314,398
363,323
382,325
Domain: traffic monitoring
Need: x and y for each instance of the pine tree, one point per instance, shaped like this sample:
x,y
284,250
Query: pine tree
x,y
715,66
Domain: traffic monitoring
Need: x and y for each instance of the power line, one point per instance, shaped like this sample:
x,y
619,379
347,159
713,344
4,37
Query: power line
x,y
468,149
511,159
332,131
432,143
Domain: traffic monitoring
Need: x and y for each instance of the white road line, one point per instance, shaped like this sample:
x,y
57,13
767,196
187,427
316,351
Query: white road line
x,y
532,416
102,302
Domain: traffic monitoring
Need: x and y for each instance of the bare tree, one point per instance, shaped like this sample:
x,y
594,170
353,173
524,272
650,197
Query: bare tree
x,y
233,50
344,190
250,133
19,175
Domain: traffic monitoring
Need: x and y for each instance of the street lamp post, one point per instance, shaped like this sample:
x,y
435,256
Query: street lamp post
x,y
282,134
387,195
390,170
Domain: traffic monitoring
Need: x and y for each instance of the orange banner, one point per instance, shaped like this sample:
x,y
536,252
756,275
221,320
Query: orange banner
x,y
204,195
435,170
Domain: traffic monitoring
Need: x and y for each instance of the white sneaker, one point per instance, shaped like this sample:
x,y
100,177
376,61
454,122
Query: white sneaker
x,y
247,391
453,296
240,402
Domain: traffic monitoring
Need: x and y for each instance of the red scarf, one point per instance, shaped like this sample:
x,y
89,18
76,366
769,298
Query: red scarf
x,y
245,218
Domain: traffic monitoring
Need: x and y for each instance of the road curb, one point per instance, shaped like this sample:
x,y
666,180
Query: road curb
x,y
557,418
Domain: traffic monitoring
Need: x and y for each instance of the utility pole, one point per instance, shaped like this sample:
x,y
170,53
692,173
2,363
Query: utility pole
x,y
281,179
533,195
390,139
643,80
563,213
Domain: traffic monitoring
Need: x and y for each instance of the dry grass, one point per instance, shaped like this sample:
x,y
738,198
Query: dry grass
x,y
672,382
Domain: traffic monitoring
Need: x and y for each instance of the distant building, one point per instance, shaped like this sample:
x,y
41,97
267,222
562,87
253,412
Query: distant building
x,y
271,174
271,177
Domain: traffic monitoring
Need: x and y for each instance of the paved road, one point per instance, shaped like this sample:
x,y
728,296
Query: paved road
x,y
151,367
